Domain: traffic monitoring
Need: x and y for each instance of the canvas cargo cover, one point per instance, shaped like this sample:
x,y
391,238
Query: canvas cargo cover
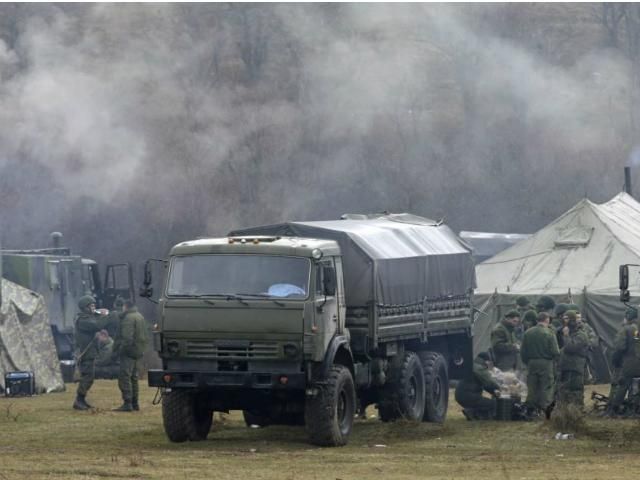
x,y
26,341
390,259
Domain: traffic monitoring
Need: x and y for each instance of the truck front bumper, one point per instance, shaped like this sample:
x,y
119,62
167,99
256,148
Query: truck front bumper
x,y
227,380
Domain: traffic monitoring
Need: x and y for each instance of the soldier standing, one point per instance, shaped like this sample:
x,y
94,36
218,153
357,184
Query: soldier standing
x,y
503,342
546,304
626,348
539,350
469,390
573,357
87,325
130,345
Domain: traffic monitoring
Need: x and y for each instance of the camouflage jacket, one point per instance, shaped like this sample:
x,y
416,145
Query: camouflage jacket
x,y
86,327
539,343
573,355
504,346
627,347
131,340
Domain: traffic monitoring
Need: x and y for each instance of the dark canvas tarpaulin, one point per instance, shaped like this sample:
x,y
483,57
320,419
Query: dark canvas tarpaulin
x,y
390,259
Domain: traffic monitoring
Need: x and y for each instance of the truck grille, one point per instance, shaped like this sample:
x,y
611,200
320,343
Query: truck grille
x,y
242,351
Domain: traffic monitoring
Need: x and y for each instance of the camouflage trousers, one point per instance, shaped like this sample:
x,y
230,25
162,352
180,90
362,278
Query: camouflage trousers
x,y
540,383
87,371
571,388
128,378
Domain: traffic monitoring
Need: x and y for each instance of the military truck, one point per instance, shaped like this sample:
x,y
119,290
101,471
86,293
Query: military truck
x,y
62,278
311,322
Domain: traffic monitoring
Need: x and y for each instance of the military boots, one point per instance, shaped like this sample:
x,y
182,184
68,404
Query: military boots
x,y
80,403
125,407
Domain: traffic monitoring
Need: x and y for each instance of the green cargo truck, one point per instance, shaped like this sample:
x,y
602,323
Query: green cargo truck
x,y
309,322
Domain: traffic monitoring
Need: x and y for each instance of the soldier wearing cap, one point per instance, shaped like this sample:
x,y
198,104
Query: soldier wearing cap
x,y
627,354
88,324
573,357
469,390
539,350
547,304
503,342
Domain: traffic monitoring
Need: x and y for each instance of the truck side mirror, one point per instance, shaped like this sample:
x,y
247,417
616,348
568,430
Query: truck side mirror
x,y
624,277
329,281
146,291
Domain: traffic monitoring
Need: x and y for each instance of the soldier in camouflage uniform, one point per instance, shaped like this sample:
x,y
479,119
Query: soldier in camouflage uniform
x,y
87,324
130,345
529,320
573,357
546,304
538,352
504,343
469,390
626,347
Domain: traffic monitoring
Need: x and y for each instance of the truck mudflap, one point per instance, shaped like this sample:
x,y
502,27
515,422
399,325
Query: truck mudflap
x,y
230,380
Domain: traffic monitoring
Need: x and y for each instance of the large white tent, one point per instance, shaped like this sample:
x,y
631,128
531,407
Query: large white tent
x,y
575,258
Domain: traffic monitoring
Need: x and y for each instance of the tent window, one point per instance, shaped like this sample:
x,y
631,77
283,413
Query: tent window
x,y
572,237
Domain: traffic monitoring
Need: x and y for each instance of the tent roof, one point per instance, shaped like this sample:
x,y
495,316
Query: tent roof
x,y
582,248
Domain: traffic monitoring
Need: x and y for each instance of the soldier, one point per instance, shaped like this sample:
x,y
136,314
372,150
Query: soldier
x,y
503,342
616,363
546,304
594,343
573,357
539,350
469,390
627,348
114,317
529,320
87,325
130,345
523,305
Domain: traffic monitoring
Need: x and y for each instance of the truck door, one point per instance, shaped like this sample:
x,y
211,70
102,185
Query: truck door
x,y
118,281
327,311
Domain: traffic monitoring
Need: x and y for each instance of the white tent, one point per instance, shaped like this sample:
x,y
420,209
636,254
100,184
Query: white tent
x,y
575,258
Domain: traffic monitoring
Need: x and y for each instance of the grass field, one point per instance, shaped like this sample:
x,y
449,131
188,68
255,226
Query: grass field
x,y
42,437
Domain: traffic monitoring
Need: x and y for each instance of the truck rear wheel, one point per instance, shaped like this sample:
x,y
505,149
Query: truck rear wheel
x,y
404,394
185,416
329,414
436,377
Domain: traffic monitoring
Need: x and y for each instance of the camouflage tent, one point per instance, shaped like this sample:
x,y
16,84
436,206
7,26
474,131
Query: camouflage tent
x,y
26,341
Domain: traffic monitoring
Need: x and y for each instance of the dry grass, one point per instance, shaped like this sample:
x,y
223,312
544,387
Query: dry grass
x,y
42,437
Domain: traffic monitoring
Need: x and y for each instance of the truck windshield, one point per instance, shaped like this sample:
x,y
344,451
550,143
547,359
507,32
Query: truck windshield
x,y
245,275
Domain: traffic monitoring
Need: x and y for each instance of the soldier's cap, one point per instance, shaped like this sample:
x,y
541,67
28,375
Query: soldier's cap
x,y
571,315
631,314
512,314
560,309
545,302
485,356
574,307
85,301
530,316
119,301
522,301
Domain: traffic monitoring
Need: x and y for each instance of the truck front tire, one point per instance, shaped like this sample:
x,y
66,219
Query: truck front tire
x,y
185,416
329,414
436,377
404,394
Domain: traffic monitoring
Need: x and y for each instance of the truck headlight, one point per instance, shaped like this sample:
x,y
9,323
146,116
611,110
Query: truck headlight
x,y
290,350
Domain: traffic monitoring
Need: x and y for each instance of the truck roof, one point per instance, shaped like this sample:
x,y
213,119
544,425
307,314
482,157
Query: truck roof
x,y
270,244
390,258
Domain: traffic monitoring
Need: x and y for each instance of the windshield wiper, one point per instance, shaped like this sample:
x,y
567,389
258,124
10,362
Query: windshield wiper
x,y
264,295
